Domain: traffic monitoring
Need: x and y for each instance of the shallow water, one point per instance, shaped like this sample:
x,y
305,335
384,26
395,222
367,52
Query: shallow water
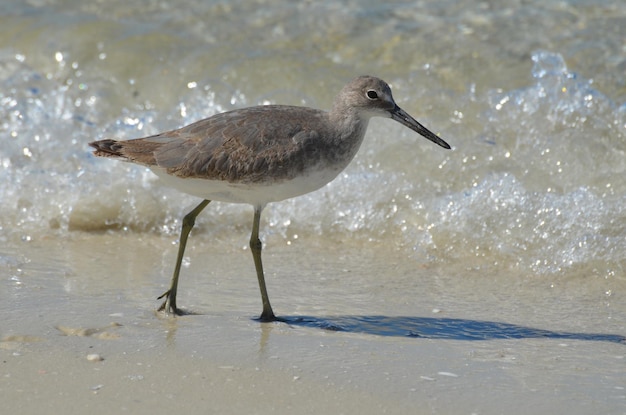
x,y
522,223
535,181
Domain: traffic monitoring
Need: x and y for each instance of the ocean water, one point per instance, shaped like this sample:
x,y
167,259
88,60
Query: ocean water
x,y
420,278
531,96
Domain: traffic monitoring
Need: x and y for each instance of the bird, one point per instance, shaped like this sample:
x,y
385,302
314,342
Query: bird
x,y
258,155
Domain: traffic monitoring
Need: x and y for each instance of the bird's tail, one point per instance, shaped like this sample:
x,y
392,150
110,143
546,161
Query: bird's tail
x,y
108,148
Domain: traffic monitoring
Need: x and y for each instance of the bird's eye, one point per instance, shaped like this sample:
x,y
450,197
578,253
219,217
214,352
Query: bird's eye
x,y
371,94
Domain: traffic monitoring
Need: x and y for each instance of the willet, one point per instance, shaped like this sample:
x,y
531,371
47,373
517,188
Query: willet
x,y
259,155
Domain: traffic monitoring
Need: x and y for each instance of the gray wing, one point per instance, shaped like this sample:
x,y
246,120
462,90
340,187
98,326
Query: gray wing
x,y
243,145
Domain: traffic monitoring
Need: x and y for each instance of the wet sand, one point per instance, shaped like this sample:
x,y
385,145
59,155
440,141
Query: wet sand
x,y
369,331
494,282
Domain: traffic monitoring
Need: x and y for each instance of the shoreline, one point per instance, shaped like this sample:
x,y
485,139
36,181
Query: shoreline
x,y
352,342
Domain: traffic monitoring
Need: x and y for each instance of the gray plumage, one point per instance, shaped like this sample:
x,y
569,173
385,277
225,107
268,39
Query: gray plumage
x,y
259,155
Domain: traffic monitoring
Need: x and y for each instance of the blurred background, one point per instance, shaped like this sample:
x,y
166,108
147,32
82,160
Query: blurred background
x,y
530,94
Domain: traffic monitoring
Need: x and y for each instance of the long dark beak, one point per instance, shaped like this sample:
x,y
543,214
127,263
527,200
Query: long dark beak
x,y
405,119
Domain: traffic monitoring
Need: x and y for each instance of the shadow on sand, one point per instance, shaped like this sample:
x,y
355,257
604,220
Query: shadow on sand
x,y
440,328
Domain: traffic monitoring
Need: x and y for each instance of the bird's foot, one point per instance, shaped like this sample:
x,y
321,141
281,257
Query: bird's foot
x,y
267,316
169,305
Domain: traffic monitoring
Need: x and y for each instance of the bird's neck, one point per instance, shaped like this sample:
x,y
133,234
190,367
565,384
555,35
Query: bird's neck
x,y
349,122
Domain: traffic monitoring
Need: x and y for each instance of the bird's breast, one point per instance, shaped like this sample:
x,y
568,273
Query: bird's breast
x,y
262,192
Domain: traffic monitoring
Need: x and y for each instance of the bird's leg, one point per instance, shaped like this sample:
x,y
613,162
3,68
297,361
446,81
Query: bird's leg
x,y
255,247
169,305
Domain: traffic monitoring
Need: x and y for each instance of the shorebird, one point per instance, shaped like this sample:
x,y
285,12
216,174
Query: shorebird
x,y
259,155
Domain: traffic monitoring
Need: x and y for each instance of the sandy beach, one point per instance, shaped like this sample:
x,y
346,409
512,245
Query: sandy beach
x,y
358,337
485,279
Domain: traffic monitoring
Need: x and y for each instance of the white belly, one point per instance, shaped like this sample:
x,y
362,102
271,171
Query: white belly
x,y
257,194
